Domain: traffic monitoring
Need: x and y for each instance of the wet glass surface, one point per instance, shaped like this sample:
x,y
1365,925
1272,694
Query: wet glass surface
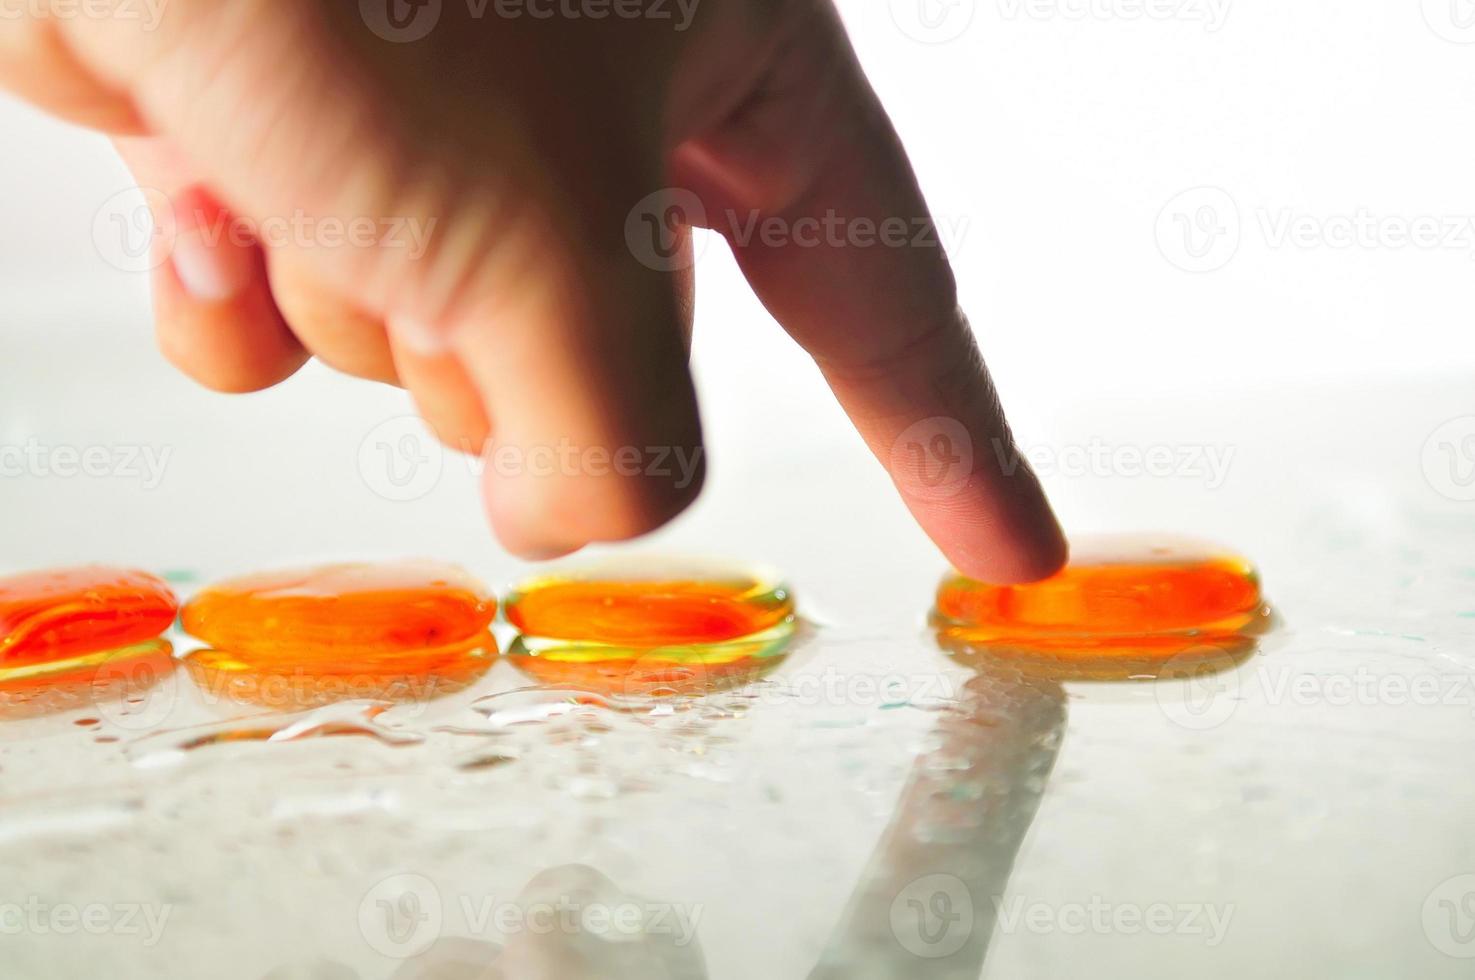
x,y
879,803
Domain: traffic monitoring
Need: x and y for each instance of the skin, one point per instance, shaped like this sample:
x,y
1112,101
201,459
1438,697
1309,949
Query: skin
x,y
529,320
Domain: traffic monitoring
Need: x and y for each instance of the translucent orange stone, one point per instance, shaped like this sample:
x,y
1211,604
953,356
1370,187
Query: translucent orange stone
x,y
663,628
68,613
1118,595
656,672
93,678
275,683
342,614
659,608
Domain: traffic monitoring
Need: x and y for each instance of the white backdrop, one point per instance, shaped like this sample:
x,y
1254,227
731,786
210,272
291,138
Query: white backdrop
x,y
1155,204
1051,134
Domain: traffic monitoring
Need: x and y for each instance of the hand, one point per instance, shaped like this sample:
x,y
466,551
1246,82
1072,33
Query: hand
x,y
503,169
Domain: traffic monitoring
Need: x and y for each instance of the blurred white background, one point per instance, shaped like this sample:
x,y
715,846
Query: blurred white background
x,y
1157,207
1052,133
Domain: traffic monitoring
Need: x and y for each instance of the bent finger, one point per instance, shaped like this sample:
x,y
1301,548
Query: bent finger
x,y
861,280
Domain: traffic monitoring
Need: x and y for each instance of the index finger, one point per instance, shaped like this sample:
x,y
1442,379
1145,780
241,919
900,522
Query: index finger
x,y
854,271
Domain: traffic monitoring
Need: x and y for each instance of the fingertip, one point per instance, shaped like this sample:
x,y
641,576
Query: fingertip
x,y
215,319
525,528
216,348
445,397
212,260
543,554
327,322
540,515
1033,558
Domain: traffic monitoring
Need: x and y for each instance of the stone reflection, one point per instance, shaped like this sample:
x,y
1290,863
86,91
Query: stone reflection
x,y
926,904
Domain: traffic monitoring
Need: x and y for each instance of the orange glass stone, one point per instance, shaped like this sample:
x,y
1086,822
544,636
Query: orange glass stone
x,y
67,613
108,675
350,613
1118,595
668,607
662,628
291,685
